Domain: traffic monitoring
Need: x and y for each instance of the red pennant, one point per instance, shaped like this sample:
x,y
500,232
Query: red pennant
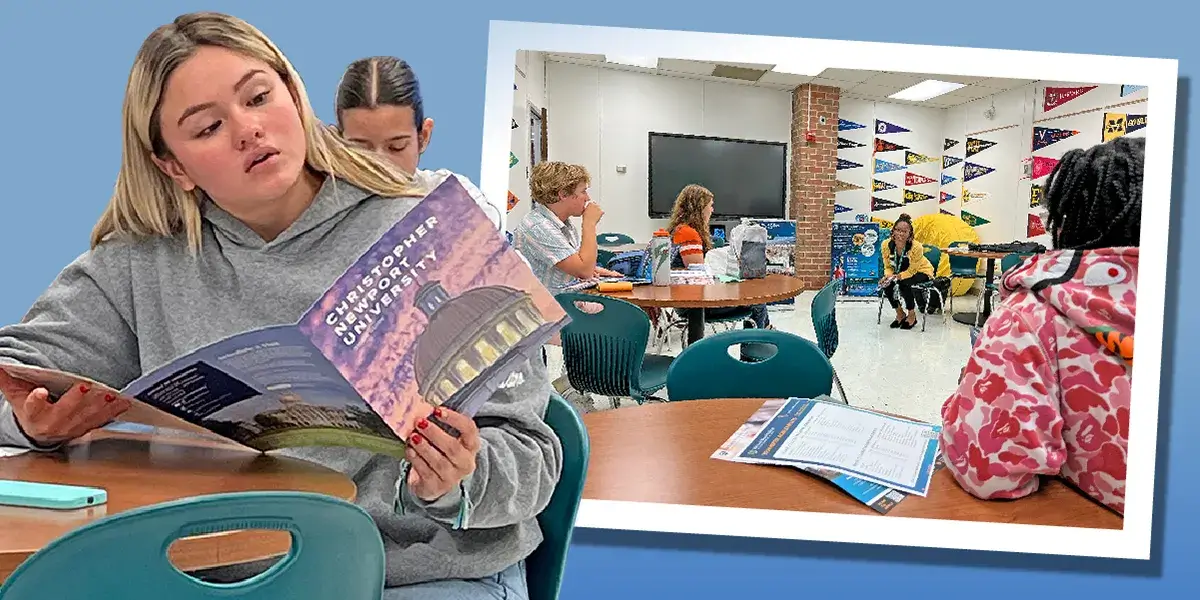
x,y
911,179
512,200
1058,96
1036,227
1043,166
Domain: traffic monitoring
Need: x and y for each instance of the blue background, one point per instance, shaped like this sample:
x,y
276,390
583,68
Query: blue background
x,y
63,67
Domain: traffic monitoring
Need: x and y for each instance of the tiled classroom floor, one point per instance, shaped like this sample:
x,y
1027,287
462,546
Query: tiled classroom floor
x,y
907,372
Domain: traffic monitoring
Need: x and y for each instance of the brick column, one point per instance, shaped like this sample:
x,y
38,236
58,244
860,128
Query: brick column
x,y
814,167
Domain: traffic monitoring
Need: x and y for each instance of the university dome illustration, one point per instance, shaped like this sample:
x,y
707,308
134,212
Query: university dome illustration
x,y
468,334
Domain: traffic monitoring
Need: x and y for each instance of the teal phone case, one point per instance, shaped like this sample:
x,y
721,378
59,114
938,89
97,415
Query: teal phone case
x,y
32,494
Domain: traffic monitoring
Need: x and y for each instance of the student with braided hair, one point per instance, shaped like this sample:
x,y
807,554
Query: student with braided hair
x,y
1046,389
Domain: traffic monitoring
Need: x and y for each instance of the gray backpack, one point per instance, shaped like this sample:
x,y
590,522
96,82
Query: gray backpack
x,y
749,243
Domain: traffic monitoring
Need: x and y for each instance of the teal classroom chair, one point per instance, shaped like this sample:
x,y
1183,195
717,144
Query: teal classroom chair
x,y
605,353
544,568
824,320
963,267
613,239
704,370
336,552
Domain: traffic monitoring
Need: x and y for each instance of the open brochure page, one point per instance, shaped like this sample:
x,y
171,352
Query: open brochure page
x,y
878,497
890,451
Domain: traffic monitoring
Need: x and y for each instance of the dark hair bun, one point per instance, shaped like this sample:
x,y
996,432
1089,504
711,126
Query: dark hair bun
x,y
904,217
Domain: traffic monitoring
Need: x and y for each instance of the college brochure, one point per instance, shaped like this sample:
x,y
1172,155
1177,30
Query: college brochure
x,y
440,311
873,457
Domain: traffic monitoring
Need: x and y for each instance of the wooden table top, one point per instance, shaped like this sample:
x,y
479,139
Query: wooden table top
x,y
139,470
772,288
662,453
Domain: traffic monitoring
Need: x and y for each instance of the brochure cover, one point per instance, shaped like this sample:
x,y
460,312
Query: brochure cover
x,y
440,311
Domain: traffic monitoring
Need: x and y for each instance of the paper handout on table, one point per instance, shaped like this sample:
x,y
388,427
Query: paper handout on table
x,y
815,434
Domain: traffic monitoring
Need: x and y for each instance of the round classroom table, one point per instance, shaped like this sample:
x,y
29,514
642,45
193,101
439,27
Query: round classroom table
x,y
143,469
661,453
772,288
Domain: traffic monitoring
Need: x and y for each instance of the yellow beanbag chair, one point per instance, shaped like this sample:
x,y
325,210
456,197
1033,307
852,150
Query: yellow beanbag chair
x,y
941,230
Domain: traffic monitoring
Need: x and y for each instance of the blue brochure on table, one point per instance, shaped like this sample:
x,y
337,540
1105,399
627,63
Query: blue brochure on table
x,y
877,448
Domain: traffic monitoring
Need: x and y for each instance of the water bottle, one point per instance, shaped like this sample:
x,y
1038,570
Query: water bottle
x,y
660,258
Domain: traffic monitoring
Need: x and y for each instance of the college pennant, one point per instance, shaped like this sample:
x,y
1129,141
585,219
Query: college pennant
x,y
1035,196
975,146
1045,136
882,145
1043,166
1119,124
842,186
974,171
844,125
947,179
846,164
878,204
912,158
946,198
879,186
885,127
883,166
949,143
1058,96
911,179
1036,227
844,143
950,161
911,196
973,220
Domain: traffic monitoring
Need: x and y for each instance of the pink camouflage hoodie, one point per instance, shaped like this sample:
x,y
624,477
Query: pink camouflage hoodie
x,y
1046,390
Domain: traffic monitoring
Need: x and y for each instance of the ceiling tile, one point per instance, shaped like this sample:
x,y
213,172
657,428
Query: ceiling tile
x,y
694,67
832,83
875,91
575,56
784,79
851,75
1000,83
898,81
754,66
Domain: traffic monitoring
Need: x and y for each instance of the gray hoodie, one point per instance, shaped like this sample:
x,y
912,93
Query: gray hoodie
x,y
127,307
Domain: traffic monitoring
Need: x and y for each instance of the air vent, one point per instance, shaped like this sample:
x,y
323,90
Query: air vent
x,y
741,73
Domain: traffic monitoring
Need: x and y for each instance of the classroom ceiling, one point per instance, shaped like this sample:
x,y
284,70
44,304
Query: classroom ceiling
x,y
863,85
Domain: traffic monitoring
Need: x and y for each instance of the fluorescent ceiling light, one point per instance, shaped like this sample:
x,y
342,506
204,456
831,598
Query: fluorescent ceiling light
x,y
798,68
634,61
930,88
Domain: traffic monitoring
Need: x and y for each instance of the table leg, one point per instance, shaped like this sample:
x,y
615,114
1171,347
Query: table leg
x,y
695,325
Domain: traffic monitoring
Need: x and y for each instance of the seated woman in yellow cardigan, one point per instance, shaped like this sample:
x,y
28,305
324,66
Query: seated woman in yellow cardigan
x,y
902,269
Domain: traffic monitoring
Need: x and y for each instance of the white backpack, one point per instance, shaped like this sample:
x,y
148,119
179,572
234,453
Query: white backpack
x,y
749,244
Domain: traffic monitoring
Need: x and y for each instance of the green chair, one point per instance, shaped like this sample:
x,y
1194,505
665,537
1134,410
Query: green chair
x,y
706,369
605,353
336,552
544,568
824,320
613,239
963,267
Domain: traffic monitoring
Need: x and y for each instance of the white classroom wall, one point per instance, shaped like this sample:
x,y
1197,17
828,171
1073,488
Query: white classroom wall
x,y
600,118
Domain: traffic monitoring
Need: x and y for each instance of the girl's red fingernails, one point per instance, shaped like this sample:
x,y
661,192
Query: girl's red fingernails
x,y
83,389
109,397
416,439
437,412
422,424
